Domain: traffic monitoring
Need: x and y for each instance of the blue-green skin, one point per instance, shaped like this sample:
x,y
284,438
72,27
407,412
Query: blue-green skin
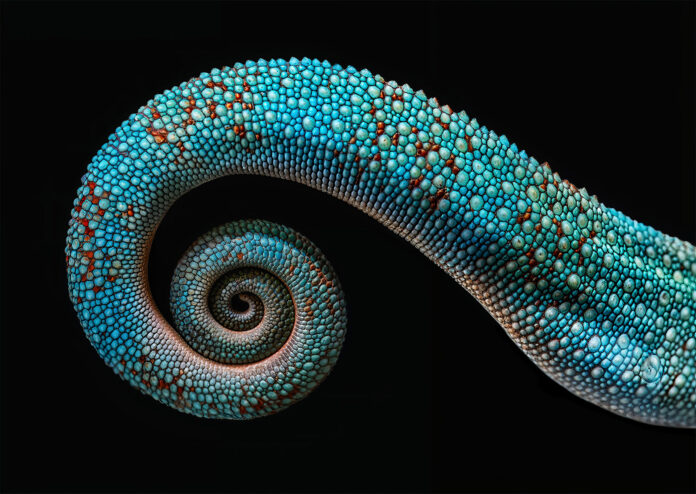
x,y
601,303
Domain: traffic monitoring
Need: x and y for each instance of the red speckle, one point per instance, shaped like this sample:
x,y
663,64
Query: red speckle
x,y
160,135
415,182
220,84
470,148
259,405
239,130
361,170
521,218
450,163
436,198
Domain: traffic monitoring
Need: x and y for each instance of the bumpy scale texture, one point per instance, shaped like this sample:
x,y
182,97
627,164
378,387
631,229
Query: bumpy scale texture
x,y
603,304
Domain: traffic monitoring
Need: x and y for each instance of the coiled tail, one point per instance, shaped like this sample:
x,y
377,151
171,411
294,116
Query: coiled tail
x,y
603,304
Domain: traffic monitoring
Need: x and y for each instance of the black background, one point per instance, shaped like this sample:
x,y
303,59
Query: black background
x,y
429,393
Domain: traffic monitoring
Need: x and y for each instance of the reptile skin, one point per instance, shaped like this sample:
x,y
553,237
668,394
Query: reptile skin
x,y
603,304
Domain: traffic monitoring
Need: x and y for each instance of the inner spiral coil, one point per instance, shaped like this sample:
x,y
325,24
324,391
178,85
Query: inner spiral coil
x,y
281,277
